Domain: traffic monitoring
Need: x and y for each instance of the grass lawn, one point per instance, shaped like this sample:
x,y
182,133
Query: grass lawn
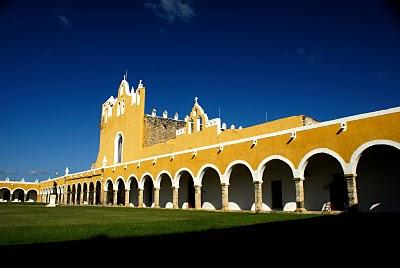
x,y
32,224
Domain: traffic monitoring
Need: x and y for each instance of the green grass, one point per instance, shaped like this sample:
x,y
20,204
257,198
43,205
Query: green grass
x,y
23,224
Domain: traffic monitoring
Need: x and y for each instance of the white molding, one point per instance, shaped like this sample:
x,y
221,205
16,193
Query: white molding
x,y
178,175
229,168
203,170
116,184
359,151
129,180
157,183
263,163
105,187
142,180
304,161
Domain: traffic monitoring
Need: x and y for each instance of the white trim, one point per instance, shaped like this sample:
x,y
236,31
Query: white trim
x,y
358,152
262,165
157,183
129,180
178,175
228,170
105,188
142,180
203,170
116,147
304,160
6,188
116,182
18,189
262,136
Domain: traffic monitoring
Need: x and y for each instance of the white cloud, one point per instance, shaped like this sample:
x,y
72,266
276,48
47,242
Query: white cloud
x,y
39,171
171,9
7,172
64,21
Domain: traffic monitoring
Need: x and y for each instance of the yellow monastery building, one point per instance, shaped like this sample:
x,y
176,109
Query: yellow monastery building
x,y
293,163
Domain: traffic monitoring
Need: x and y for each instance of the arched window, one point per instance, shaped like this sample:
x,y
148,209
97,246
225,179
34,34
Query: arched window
x,y
118,148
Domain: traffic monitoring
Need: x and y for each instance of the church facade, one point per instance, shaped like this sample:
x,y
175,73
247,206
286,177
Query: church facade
x,y
290,164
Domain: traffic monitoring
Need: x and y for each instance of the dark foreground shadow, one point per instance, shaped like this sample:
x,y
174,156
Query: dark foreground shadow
x,y
342,238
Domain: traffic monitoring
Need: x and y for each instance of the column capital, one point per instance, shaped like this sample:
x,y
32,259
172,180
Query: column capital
x,y
298,179
197,187
175,187
257,182
224,184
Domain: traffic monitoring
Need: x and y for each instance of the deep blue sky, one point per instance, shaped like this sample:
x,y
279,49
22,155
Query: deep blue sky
x,y
60,60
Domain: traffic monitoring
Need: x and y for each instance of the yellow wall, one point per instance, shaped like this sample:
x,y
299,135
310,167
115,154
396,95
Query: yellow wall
x,y
381,126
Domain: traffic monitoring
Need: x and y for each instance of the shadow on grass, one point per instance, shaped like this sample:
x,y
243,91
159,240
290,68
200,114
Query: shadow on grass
x,y
334,237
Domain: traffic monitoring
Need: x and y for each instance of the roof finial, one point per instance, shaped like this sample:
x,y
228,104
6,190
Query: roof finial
x,y
195,99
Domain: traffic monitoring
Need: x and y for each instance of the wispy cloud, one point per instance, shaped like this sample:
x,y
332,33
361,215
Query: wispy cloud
x,y
38,171
387,74
7,172
64,21
307,55
171,10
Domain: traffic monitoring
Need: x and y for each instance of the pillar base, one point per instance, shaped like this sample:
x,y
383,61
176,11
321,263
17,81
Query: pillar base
x,y
301,210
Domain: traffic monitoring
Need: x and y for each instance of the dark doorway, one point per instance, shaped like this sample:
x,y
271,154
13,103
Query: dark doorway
x,y
338,193
191,194
276,194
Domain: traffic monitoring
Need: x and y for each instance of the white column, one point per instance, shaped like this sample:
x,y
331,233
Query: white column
x,y
225,196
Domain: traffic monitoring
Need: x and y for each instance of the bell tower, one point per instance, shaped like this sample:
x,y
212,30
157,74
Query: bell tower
x,y
121,125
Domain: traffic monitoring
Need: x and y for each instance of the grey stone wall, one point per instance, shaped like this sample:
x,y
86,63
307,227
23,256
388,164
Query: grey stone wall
x,y
159,130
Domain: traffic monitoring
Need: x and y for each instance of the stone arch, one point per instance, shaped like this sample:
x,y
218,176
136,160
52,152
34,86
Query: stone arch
x,y
278,188
378,179
186,192
98,193
147,183
263,164
85,190
73,195
240,177
120,187
31,195
5,194
230,167
203,170
179,173
133,186
109,191
158,178
106,183
79,190
129,180
305,159
18,194
91,189
209,177
164,182
358,152
143,178
324,181
69,194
